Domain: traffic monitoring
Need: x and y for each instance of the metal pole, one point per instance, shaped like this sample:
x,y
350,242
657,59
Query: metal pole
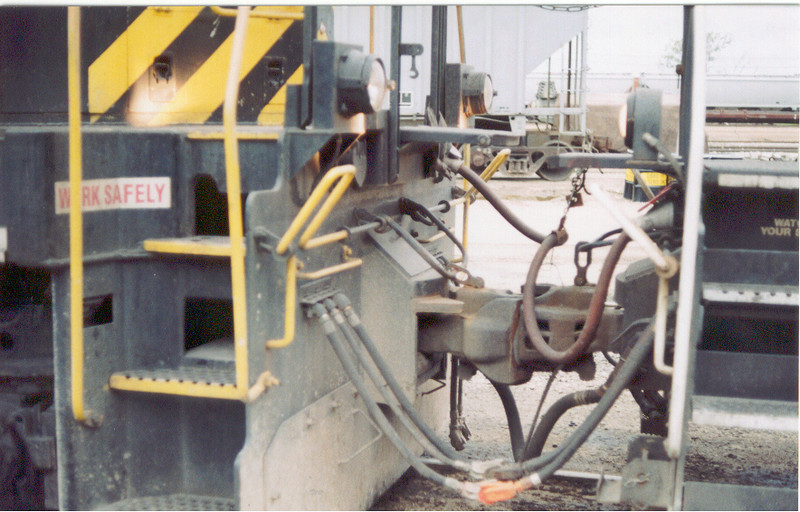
x,y
689,313
394,95
583,70
438,57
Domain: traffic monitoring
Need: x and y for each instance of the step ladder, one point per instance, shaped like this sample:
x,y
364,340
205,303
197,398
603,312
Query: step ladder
x,y
187,381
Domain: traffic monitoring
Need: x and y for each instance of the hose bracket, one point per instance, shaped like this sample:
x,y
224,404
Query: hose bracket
x,y
266,241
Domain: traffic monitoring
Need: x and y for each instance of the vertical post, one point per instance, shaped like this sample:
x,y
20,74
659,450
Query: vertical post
x,y
583,69
75,212
371,29
394,94
438,57
233,182
687,79
689,312
461,48
569,81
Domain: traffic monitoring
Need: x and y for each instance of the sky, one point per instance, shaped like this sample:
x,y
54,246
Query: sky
x,y
762,40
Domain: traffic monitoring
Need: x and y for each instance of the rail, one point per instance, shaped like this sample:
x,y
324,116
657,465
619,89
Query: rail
x,y
686,316
342,175
75,214
490,170
336,180
233,182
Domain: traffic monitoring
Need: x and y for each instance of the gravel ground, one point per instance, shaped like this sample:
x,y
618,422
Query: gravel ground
x,y
501,256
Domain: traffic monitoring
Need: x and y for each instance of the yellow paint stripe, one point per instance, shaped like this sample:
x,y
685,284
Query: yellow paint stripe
x,y
148,36
273,112
203,93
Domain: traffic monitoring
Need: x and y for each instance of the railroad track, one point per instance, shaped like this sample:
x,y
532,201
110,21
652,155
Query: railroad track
x,y
769,140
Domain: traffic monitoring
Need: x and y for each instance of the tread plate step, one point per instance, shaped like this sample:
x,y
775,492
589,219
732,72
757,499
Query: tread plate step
x,y
196,375
173,502
198,381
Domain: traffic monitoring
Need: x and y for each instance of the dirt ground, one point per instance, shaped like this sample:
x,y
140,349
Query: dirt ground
x,y
501,256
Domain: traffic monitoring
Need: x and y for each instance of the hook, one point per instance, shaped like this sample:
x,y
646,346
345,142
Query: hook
x,y
412,50
414,73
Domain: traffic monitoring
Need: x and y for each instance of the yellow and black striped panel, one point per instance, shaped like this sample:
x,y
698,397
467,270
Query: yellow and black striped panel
x,y
169,65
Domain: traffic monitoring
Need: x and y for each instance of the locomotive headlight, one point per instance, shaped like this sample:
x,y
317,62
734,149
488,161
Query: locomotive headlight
x,y
361,83
622,120
478,92
641,114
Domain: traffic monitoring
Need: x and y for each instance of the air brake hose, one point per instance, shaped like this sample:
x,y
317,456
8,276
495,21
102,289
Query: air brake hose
x,y
618,383
346,306
546,465
350,336
334,336
595,307
512,416
548,421
498,204
588,398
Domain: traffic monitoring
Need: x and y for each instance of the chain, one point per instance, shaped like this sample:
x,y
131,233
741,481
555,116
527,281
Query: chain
x,y
574,198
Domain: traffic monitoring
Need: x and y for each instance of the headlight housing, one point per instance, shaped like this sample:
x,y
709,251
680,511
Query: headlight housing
x,y
478,92
641,114
361,83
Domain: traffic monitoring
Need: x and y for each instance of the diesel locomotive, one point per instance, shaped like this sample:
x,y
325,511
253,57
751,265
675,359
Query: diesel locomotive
x,y
229,277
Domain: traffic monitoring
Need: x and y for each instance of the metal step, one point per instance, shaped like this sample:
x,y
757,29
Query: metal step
x,y
194,246
173,502
198,381
745,413
772,295
712,496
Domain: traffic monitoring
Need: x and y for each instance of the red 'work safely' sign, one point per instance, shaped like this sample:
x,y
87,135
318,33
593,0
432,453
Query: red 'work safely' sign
x,y
117,194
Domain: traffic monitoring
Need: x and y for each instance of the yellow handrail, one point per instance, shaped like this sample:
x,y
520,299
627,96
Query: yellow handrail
x,y
75,212
263,13
329,271
233,182
327,206
490,170
342,176
321,240
289,305
346,173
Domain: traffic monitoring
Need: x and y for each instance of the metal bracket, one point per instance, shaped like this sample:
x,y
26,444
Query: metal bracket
x,y
266,241
647,478
316,291
412,50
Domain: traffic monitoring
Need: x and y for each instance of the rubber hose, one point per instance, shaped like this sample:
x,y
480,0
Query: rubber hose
x,y
554,413
530,453
498,204
404,418
621,381
595,307
551,461
344,303
512,416
334,336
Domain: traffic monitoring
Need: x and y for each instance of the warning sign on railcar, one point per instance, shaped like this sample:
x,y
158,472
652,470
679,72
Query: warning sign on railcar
x,y
117,194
